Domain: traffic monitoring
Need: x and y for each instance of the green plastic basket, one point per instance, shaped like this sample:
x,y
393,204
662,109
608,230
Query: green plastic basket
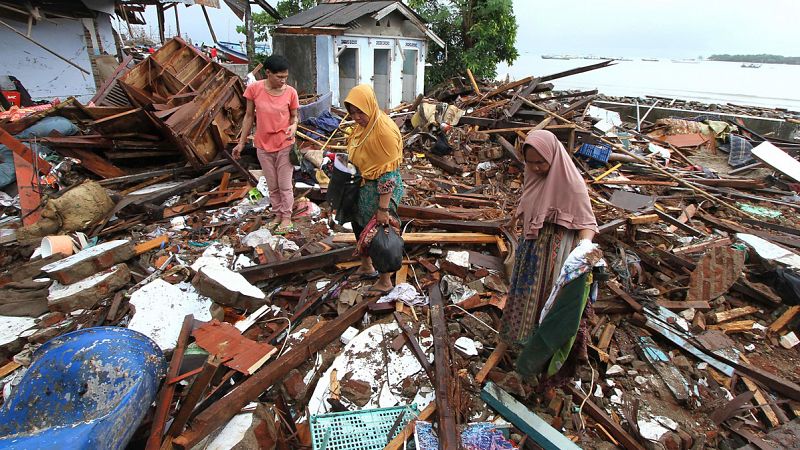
x,y
357,430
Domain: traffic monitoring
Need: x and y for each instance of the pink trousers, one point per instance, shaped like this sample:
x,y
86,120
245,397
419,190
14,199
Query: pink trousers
x,y
278,171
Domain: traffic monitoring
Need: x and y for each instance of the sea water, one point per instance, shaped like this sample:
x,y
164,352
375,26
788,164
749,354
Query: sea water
x,y
771,85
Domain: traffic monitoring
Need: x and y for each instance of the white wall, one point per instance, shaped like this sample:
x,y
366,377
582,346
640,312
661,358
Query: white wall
x,y
44,75
366,46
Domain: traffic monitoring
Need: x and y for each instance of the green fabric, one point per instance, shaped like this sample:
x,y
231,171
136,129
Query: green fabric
x,y
553,339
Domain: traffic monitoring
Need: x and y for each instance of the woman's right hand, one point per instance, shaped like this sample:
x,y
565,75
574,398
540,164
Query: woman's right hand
x,y
237,151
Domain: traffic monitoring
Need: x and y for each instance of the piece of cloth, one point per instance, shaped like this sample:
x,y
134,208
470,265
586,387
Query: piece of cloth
x,y
273,115
278,171
377,148
741,151
578,262
548,347
370,192
537,264
558,197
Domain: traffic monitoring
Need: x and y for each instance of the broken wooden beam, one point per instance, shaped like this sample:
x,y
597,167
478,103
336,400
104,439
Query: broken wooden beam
x,y
475,226
524,419
221,411
491,362
599,415
617,289
731,314
445,164
443,383
781,322
414,346
167,390
199,386
298,265
429,238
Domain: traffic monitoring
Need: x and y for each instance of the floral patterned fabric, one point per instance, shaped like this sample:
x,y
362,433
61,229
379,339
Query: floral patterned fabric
x,y
370,192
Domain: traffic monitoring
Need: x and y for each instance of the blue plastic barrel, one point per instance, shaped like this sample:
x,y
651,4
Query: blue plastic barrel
x,y
86,389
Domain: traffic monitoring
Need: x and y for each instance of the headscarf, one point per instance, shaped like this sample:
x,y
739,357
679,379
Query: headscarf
x,y
560,196
377,148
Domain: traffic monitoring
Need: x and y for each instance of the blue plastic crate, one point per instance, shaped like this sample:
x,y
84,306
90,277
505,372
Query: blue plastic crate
x,y
356,430
596,152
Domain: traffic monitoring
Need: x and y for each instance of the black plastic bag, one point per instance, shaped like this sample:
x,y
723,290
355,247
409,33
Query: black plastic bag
x,y
342,194
787,285
386,250
441,147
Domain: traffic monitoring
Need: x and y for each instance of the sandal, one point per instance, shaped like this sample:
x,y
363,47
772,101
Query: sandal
x,y
363,276
375,292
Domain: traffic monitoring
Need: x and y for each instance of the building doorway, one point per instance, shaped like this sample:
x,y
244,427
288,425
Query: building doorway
x,y
409,75
348,72
380,79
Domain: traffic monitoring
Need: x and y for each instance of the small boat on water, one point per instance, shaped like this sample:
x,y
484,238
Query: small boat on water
x,y
686,61
236,53
751,65
556,57
650,59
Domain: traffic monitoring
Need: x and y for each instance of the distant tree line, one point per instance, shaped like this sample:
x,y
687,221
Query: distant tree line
x,y
763,58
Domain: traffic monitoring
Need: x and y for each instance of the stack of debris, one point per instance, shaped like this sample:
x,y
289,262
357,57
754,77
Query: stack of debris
x,y
274,342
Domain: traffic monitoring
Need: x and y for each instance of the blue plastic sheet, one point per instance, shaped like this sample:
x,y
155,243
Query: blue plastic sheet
x,y
42,128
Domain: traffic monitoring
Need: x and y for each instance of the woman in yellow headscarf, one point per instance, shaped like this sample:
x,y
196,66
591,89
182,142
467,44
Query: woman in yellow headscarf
x,y
375,147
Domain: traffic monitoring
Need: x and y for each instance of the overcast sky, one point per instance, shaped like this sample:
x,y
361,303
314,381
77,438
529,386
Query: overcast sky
x,y
657,28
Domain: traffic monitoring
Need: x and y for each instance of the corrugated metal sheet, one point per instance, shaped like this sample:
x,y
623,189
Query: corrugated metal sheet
x,y
334,14
310,15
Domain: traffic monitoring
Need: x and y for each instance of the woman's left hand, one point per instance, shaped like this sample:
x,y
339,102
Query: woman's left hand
x,y
382,217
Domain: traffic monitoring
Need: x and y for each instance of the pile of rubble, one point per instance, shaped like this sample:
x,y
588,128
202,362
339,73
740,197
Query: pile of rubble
x,y
271,342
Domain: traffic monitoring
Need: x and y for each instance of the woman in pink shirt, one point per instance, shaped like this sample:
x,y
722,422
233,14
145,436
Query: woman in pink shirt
x,y
274,105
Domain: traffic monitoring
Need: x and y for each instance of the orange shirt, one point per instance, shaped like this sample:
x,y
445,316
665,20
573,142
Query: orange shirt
x,y
272,115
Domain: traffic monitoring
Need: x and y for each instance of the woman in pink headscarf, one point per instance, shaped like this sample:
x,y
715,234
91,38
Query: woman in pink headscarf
x,y
557,217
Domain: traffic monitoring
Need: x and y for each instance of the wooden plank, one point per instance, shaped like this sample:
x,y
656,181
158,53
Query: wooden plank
x,y
8,368
644,219
732,408
695,248
398,442
419,212
523,418
429,238
670,304
678,223
784,319
297,265
199,386
92,162
759,397
443,384
599,415
491,362
445,164
731,314
221,411
167,390
617,289
606,336
152,244
740,326
413,344
477,226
